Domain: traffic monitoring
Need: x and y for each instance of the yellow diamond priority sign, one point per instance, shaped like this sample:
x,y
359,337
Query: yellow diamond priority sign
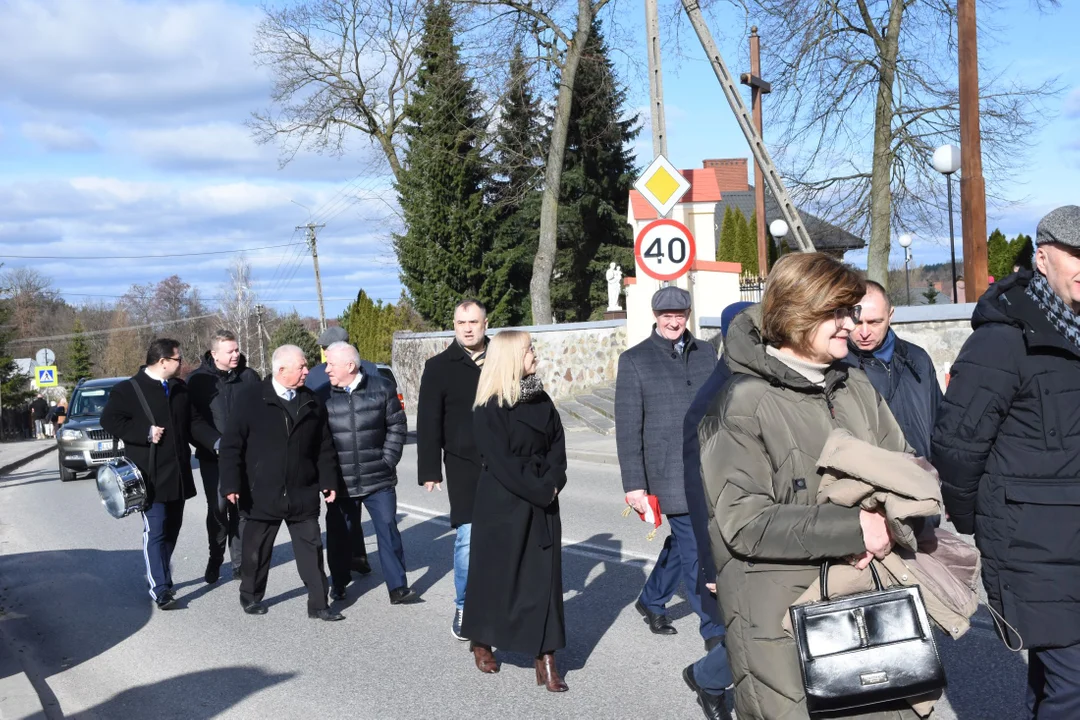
x,y
662,185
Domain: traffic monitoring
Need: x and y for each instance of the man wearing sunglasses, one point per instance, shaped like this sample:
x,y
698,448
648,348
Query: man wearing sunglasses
x,y
174,425
901,372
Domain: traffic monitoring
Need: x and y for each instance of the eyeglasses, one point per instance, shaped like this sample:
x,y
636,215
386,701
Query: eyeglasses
x,y
178,358
841,314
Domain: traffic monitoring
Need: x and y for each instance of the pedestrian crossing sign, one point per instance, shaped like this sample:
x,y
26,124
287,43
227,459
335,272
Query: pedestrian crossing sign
x,y
46,376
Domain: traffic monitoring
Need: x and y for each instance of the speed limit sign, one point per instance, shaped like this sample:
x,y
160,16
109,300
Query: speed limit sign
x,y
665,249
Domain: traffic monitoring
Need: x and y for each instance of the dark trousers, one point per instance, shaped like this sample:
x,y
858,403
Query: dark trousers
x,y
224,525
258,544
161,527
1054,683
678,562
344,538
382,507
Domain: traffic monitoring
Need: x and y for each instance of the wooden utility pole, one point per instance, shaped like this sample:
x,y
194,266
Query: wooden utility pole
x,y
313,246
972,185
656,79
758,87
262,348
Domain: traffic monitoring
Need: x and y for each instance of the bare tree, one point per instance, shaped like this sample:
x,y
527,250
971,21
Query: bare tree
x,y
559,29
863,92
237,302
338,66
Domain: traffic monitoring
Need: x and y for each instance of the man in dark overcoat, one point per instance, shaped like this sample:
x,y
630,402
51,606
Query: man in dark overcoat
x,y
1007,446
213,387
657,380
444,432
276,457
169,480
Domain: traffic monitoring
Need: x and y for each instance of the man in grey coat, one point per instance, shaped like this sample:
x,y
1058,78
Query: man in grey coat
x,y
658,379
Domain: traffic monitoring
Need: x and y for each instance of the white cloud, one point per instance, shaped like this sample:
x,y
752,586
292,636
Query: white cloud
x,y
122,58
205,145
59,138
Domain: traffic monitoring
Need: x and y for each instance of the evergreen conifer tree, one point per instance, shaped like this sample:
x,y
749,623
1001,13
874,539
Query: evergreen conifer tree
x,y
515,199
441,188
752,254
292,332
726,250
999,256
14,386
1022,251
596,181
79,354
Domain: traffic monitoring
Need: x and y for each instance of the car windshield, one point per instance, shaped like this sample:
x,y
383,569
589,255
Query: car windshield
x,y
89,401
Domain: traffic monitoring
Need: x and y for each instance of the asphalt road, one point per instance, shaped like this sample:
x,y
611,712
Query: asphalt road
x,y
74,605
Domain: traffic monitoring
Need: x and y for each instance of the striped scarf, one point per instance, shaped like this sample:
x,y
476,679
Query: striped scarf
x,y
1060,315
478,356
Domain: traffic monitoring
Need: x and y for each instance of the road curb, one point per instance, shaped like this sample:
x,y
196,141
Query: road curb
x,y
593,457
5,469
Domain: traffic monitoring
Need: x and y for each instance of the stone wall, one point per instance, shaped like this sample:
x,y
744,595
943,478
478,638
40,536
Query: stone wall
x,y
573,356
941,330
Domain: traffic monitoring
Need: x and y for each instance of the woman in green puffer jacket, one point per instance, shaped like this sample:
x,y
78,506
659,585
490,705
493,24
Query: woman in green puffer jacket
x,y
760,441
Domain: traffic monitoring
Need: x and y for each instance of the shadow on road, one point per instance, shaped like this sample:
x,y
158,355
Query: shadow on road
x,y
194,696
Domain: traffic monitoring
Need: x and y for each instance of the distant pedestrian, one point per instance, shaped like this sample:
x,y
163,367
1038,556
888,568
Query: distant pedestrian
x,y
213,387
277,457
39,408
760,441
1007,445
657,380
900,370
515,589
368,427
444,433
175,425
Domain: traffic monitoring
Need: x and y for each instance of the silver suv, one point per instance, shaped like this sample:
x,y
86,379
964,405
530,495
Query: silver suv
x,y
83,445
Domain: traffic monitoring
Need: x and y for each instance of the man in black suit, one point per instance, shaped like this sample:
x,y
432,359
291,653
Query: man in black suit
x,y
444,432
276,456
169,432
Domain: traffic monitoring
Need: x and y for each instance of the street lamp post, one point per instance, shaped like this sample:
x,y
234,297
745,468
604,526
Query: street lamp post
x,y
778,229
905,242
946,161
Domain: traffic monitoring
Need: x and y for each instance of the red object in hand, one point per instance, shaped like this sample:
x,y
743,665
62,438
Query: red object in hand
x,y
652,513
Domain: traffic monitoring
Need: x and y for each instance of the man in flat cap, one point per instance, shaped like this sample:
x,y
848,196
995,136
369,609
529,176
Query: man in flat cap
x,y
658,379
1007,446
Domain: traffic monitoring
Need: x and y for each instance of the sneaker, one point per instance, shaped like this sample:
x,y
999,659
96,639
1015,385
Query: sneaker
x,y
455,627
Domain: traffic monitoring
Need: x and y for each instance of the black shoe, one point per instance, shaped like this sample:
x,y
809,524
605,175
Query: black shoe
x,y
213,571
253,608
236,573
658,624
403,595
325,614
337,593
712,642
714,706
361,565
167,601
455,627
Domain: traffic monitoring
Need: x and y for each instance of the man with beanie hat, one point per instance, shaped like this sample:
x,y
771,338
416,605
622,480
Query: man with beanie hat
x,y
1007,446
657,380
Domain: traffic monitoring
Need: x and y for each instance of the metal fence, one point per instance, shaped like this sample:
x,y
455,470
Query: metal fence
x,y
751,287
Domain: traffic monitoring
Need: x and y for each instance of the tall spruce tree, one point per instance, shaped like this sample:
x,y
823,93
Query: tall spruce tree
x,y
514,197
79,362
441,187
291,331
999,255
14,386
596,181
1022,250
725,251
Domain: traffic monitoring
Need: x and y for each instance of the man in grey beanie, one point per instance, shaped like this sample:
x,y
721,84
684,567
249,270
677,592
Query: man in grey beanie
x,y
1007,447
657,380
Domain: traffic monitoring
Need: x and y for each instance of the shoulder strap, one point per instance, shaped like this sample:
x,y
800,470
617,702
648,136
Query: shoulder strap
x,y
150,416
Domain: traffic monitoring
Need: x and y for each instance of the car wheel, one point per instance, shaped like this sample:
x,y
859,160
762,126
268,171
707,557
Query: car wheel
x,y
65,474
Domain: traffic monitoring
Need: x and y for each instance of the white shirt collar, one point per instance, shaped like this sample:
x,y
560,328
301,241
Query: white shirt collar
x,y
152,376
281,390
356,381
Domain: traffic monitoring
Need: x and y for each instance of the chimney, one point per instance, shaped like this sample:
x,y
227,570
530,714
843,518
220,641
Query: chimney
x,y
731,174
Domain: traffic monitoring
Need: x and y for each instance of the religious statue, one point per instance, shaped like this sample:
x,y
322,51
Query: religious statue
x,y
614,286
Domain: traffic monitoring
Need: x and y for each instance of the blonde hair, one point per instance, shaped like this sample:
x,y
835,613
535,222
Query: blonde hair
x,y
504,366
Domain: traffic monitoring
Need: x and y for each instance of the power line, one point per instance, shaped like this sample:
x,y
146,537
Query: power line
x,y
112,330
142,257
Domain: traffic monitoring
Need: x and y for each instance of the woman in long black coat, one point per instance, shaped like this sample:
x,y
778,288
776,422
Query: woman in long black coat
x,y
514,592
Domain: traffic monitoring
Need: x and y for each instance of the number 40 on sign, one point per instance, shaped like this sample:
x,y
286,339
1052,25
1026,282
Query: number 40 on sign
x,y
665,249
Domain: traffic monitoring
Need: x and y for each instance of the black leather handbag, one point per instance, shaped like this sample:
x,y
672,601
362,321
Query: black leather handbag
x,y
867,648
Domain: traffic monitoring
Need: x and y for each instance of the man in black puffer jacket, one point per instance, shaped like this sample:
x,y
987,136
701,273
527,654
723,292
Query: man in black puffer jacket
x,y
1007,446
212,387
368,426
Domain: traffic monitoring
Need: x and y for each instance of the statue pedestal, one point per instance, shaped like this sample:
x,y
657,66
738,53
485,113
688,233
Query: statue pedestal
x,y
614,314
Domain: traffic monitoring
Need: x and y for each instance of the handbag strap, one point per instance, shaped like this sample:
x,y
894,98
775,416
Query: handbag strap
x,y
825,578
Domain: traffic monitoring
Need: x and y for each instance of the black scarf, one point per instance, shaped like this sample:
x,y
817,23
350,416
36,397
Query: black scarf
x,y
1060,315
531,388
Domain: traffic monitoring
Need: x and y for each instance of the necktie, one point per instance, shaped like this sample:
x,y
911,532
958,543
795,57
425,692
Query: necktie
x,y
289,395
165,385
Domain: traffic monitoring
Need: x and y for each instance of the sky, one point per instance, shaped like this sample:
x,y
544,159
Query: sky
x,y
122,134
